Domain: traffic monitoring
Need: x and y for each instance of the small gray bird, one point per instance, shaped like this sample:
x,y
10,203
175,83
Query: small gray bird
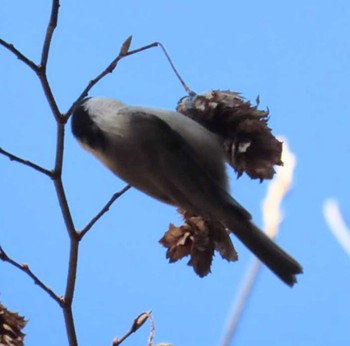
x,y
177,161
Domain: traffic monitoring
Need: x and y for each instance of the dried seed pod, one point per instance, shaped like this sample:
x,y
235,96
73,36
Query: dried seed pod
x,y
198,238
11,325
247,140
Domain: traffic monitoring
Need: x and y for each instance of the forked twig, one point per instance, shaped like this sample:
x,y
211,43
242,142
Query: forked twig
x,y
56,174
110,68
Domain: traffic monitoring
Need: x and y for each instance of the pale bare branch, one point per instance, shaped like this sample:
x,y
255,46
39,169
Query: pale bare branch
x,y
337,224
272,218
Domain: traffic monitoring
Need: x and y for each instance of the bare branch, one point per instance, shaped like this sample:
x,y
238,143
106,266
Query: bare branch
x,y
49,33
69,294
59,148
65,208
25,268
57,178
70,325
73,261
138,322
26,163
337,224
19,55
102,212
152,331
40,71
56,175
49,95
174,69
277,191
241,298
110,68
73,236
72,271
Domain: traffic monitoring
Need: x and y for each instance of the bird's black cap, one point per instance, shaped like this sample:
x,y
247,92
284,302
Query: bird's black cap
x,y
85,129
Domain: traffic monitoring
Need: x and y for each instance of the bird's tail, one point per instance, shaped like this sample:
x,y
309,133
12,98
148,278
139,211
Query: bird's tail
x,y
282,264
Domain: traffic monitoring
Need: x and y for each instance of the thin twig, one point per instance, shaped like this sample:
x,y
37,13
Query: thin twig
x,y
337,224
152,331
110,68
49,33
102,212
25,268
19,55
39,70
74,242
241,299
56,175
175,70
26,163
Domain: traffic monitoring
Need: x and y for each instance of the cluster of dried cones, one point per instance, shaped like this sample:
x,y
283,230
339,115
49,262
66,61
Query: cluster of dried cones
x,y
249,147
11,325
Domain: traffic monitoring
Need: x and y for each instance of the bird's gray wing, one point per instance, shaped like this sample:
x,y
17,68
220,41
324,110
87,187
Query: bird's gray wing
x,y
176,171
166,167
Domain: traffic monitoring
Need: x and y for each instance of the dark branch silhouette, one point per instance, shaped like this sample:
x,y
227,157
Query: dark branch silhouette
x,y
102,212
56,174
25,268
49,32
110,68
19,55
38,168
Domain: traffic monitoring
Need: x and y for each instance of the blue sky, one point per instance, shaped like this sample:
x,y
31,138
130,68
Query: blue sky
x,y
294,54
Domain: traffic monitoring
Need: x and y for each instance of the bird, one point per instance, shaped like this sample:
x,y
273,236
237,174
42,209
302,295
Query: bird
x,y
173,159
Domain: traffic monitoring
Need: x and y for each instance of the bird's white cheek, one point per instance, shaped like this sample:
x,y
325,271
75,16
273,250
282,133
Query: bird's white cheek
x,y
98,154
